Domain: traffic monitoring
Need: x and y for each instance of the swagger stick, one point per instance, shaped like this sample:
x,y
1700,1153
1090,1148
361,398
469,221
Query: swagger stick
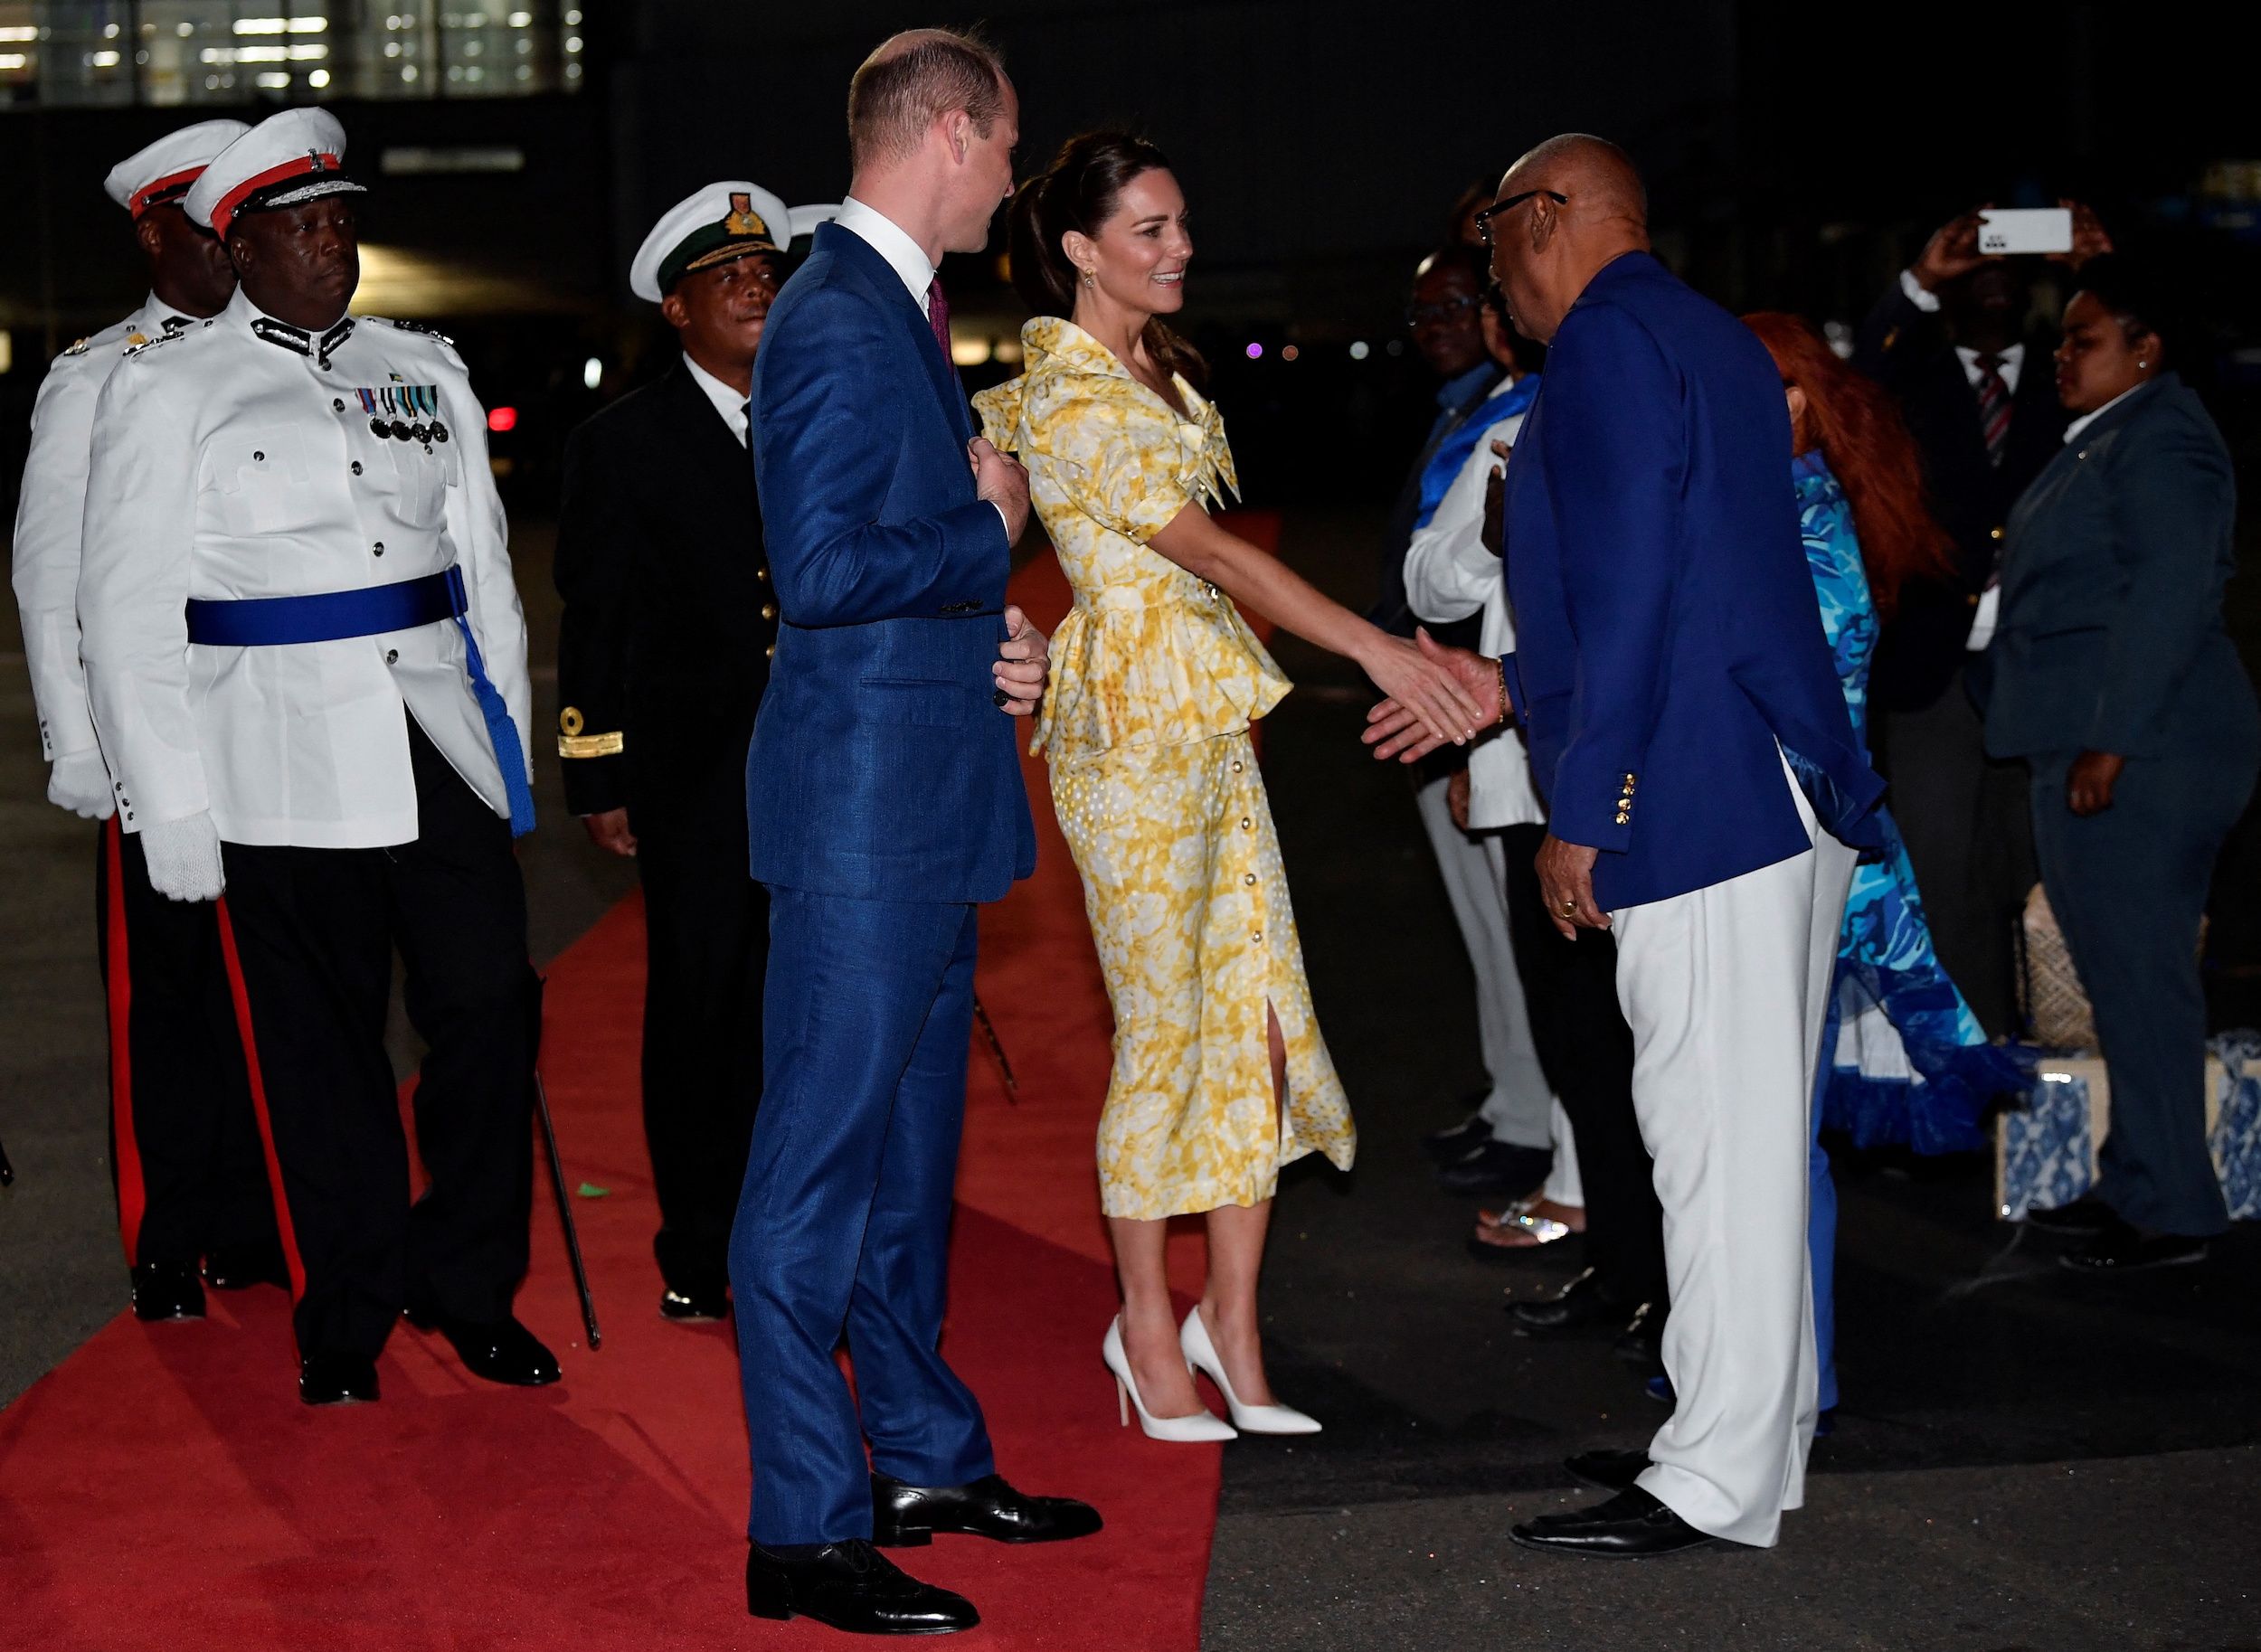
x,y
557,1180
981,1020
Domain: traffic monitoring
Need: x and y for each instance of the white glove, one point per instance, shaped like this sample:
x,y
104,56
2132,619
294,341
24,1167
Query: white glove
x,y
184,858
80,782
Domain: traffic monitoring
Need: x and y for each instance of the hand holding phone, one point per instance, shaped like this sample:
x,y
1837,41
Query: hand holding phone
x,y
2013,230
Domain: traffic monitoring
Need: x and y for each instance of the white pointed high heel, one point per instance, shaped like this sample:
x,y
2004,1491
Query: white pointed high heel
x,y
1203,1424
1200,1352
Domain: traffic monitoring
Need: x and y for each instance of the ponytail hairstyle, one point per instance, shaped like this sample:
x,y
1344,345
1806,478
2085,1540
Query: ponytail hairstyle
x,y
1079,190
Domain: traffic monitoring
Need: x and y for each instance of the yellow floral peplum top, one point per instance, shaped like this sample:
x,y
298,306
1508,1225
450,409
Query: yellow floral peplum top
x,y
1150,654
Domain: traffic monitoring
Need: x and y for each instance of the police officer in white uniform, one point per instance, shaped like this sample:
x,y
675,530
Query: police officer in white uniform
x,y
191,1177
307,664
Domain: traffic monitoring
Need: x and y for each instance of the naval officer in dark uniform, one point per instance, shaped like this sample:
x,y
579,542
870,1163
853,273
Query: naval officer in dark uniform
x,y
663,653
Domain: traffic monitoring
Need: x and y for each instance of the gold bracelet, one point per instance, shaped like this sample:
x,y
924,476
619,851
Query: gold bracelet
x,y
1503,664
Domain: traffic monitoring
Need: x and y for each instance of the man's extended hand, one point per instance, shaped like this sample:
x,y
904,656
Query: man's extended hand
x,y
1565,883
1024,665
1392,730
608,830
1951,252
1001,480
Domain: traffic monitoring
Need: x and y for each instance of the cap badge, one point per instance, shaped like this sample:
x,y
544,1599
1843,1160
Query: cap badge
x,y
743,219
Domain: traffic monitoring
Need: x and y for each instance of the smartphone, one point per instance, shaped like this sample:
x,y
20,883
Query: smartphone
x,y
2040,229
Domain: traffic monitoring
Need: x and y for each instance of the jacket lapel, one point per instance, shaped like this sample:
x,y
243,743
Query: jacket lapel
x,y
852,250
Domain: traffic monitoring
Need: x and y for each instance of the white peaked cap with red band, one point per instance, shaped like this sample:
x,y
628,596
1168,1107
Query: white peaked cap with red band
x,y
163,171
296,155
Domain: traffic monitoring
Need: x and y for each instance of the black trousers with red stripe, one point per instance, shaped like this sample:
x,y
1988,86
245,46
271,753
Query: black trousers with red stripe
x,y
314,931
185,1157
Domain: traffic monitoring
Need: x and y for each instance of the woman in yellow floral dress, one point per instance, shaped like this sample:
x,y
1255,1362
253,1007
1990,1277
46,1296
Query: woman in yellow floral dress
x,y
1220,1074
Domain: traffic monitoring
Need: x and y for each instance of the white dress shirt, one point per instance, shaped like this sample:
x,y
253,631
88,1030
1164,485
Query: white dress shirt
x,y
727,402
2010,362
1450,574
228,466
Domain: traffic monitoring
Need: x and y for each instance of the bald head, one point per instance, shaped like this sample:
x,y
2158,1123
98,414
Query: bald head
x,y
1579,205
911,80
1599,177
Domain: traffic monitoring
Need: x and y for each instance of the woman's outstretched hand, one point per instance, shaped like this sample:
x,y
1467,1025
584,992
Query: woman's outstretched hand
x,y
1423,678
1397,728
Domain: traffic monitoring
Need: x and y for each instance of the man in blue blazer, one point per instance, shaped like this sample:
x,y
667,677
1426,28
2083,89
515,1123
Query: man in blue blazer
x,y
884,802
1703,788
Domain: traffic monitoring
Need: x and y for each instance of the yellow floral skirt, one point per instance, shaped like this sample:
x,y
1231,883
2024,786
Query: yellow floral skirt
x,y
1188,904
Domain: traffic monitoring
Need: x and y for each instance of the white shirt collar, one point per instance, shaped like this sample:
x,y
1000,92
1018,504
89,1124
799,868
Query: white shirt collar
x,y
727,402
2086,419
2010,357
887,237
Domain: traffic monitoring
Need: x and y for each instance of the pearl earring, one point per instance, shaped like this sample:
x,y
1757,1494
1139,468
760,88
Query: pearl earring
x,y
2141,365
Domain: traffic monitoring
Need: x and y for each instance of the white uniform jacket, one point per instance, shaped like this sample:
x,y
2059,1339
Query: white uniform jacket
x,y
48,517
1450,574
236,460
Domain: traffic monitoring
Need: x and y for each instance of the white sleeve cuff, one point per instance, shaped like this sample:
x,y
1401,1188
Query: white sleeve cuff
x,y
1918,295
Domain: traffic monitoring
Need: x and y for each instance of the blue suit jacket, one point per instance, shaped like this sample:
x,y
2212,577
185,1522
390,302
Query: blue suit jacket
x,y
881,768
1670,637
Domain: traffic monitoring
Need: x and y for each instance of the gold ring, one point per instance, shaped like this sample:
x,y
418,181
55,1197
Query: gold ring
x,y
1569,905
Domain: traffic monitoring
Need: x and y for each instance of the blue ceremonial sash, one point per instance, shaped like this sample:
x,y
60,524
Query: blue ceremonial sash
x,y
260,622
1452,452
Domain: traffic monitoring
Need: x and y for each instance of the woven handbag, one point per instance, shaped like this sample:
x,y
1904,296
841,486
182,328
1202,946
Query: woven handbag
x,y
2050,1000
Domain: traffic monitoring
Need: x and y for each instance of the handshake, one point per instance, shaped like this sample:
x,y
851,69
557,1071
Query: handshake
x,y
1395,729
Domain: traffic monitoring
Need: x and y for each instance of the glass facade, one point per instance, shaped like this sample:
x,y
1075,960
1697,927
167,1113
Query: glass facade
x,y
83,53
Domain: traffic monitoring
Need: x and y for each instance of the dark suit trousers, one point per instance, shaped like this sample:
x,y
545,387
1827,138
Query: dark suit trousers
x,y
185,1156
1587,1051
2129,889
315,930
844,1223
1969,831
706,944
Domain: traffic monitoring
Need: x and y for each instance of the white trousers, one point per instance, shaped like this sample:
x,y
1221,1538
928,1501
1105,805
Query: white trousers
x,y
1727,990
1475,882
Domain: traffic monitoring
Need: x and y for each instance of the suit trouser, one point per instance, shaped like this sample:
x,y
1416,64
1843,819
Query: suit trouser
x,y
185,1158
706,928
1520,1103
1726,989
844,1221
1588,1053
2129,889
315,930
1969,833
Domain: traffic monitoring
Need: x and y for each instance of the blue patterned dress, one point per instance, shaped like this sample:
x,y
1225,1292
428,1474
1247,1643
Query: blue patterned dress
x,y
1908,1060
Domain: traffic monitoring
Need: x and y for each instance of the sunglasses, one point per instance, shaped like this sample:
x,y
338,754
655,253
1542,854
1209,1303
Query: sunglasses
x,y
1484,217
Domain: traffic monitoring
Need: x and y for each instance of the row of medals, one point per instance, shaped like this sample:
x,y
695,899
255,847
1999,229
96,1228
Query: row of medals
x,y
399,399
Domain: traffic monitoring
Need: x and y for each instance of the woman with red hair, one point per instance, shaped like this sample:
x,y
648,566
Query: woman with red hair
x,y
1904,1060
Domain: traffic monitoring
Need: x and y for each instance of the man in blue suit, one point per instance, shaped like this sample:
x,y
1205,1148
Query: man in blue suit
x,y
884,802
1704,789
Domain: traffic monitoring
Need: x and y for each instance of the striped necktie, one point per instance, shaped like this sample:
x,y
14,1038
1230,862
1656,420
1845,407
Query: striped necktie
x,y
1993,394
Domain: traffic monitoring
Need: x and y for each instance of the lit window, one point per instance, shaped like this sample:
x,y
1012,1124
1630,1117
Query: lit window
x,y
318,78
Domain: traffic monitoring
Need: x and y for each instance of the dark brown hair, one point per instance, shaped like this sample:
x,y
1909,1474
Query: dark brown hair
x,y
1854,421
913,79
1079,190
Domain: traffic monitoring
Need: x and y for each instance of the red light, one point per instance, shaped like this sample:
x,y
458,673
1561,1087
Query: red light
x,y
500,419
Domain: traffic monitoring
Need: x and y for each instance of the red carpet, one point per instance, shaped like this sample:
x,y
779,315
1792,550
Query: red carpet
x,y
164,1488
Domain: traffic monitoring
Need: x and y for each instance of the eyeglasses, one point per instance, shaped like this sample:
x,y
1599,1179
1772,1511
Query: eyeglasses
x,y
1484,217
1442,309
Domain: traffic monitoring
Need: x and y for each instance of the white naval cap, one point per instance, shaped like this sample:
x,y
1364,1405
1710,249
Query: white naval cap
x,y
296,155
163,171
720,223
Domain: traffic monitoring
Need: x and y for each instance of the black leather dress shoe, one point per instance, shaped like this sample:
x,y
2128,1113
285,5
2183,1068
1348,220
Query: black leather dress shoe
x,y
1446,1146
1606,1471
1631,1526
851,1586
166,1290
1497,1167
337,1379
240,1267
2123,1248
503,1352
2083,1218
694,1306
1641,1343
907,1517
1578,1305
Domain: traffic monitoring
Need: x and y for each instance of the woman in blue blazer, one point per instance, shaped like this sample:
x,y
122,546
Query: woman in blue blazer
x,y
2113,678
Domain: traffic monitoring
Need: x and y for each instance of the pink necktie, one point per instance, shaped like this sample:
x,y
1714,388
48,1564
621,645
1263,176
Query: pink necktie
x,y
937,318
